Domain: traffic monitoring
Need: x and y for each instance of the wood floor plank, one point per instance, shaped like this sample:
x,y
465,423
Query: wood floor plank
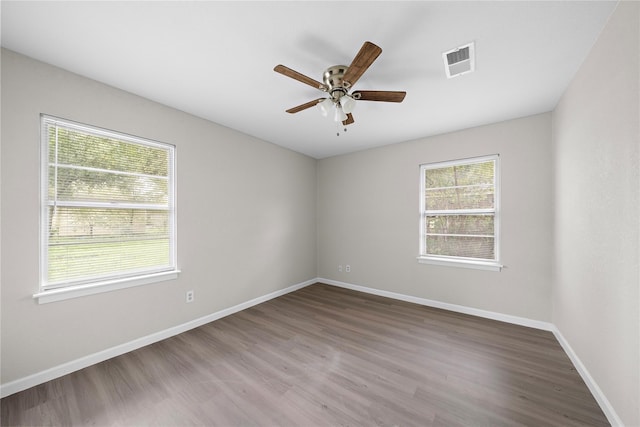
x,y
325,356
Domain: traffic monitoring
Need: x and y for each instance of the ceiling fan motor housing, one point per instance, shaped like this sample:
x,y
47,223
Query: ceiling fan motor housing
x,y
332,77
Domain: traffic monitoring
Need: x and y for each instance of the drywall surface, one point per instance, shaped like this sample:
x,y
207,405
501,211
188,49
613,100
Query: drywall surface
x,y
369,215
246,220
596,143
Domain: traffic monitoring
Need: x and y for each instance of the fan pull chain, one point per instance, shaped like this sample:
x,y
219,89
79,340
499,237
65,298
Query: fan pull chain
x,y
338,129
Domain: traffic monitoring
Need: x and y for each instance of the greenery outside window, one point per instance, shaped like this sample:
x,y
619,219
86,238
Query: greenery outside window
x,y
108,210
459,205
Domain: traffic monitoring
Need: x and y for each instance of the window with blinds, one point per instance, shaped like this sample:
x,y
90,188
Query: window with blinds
x,y
459,211
108,210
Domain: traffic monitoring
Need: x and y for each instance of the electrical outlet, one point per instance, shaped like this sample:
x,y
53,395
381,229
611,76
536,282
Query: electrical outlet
x,y
190,296
347,268
340,268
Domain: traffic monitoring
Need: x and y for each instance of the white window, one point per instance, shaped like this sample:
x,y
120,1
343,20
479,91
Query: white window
x,y
108,210
459,205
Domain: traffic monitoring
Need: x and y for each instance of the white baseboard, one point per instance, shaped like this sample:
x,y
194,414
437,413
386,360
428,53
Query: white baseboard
x,y
83,362
597,393
602,400
75,365
522,321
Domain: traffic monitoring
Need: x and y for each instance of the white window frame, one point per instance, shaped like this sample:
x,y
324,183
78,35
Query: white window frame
x,y
457,261
72,289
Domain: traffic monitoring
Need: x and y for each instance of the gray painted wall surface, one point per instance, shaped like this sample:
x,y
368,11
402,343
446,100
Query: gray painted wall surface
x,y
596,130
246,220
369,212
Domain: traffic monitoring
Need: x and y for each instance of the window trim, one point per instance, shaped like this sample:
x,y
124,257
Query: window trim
x,y
456,261
88,286
75,291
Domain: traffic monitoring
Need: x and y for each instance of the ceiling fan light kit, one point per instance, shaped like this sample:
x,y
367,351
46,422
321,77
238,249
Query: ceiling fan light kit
x,y
325,106
347,103
337,81
339,115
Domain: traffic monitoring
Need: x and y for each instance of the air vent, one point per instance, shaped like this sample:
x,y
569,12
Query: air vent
x,y
459,61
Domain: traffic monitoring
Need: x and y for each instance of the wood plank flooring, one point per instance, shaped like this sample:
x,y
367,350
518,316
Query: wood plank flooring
x,y
325,356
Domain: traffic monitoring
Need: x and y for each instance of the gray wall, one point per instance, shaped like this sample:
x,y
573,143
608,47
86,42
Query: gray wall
x,y
596,134
368,218
246,220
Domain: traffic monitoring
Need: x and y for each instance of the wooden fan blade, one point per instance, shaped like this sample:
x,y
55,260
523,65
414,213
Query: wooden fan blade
x,y
304,106
349,120
363,60
379,95
299,77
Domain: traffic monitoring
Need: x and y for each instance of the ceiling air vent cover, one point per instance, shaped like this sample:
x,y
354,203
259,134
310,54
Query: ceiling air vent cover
x,y
460,60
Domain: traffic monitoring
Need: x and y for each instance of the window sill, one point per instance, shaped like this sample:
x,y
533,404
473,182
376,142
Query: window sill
x,y
461,263
60,294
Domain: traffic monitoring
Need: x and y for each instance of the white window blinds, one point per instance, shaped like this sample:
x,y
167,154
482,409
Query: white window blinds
x,y
108,205
459,209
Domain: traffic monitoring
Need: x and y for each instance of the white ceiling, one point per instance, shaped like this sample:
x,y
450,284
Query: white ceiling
x,y
215,59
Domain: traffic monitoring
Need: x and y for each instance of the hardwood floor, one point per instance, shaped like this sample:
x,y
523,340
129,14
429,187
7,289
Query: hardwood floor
x,y
326,356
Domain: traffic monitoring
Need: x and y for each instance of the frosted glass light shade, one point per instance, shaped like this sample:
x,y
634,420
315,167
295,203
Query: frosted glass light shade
x,y
339,115
348,104
325,106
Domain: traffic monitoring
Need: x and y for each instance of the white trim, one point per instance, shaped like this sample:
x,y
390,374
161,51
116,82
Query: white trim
x,y
593,387
454,261
595,390
516,320
103,282
75,291
83,362
462,263
103,132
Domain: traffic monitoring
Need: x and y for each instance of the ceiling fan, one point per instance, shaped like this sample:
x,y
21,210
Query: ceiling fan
x,y
337,81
